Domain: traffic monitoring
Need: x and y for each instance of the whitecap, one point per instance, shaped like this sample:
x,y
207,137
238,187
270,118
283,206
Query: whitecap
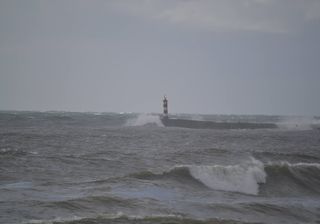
x,y
243,178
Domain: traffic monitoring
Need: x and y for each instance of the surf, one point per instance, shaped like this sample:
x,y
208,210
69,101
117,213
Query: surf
x,y
291,179
251,177
242,178
144,119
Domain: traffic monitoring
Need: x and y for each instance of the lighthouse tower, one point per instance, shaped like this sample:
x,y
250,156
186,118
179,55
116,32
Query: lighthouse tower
x,y
165,107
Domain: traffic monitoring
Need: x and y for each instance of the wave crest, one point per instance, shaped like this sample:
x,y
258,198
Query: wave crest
x,y
120,218
252,177
15,152
243,178
286,178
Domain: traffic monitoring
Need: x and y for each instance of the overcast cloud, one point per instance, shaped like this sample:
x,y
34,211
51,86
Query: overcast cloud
x,y
229,15
208,56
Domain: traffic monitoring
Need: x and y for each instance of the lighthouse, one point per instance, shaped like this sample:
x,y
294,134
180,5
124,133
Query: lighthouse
x,y
165,107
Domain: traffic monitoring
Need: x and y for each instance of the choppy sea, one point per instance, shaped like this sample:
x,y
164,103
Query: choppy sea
x,y
64,167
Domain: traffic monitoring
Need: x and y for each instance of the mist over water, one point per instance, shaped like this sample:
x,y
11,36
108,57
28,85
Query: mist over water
x,y
299,122
64,167
145,119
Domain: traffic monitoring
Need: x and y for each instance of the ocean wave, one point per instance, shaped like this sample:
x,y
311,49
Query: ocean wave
x,y
283,155
121,218
84,203
17,185
289,179
252,177
242,178
144,119
294,165
15,152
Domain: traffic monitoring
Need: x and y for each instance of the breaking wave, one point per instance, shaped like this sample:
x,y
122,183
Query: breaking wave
x,y
145,119
285,179
243,178
252,177
121,218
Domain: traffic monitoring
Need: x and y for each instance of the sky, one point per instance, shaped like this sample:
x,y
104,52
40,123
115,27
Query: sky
x,y
207,56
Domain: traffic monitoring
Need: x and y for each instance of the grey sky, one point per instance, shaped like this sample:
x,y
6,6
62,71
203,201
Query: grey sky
x,y
208,56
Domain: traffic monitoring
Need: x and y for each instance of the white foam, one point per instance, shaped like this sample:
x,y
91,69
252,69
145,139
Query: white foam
x,y
9,150
106,216
137,217
144,119
52,221
244,178
287,164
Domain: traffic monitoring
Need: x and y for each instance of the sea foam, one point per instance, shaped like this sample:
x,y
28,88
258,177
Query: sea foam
x,y
145,119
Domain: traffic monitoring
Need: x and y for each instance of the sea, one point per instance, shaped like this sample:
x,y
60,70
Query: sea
x,y
97,168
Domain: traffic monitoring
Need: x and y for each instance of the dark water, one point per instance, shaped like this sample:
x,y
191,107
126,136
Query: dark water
x,y
127,168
